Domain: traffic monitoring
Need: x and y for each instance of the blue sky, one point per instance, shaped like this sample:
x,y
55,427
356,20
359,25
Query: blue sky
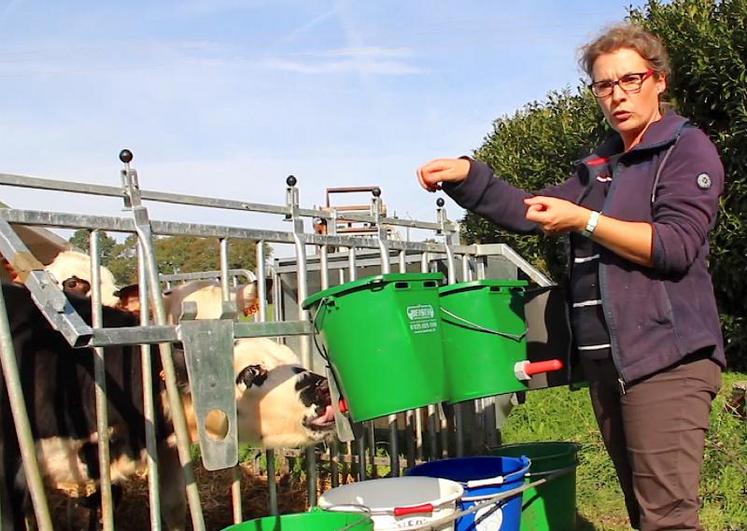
x,y
228,97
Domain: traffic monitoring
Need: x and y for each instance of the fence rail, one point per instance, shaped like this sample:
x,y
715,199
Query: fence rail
x,y
335,258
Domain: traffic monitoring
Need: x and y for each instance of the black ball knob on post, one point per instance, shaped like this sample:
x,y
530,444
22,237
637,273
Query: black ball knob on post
x,y
440,202
125,156
376,192
291,180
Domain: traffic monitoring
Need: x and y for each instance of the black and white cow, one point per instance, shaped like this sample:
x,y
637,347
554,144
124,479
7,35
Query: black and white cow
x,y
279,404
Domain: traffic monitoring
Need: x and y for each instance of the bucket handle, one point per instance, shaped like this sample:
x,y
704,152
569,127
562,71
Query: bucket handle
x,y
423,508
555,471
320,344
348,508
500,480
480,328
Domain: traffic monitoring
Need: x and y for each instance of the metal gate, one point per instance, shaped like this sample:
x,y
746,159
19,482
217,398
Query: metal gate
x,y
317,261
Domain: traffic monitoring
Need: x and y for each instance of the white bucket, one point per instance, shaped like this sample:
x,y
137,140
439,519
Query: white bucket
x,y
397,503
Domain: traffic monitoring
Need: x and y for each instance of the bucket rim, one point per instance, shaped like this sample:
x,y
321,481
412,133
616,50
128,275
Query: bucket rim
x,y
516,475
571,448
362,518
436,503
365,282
485,283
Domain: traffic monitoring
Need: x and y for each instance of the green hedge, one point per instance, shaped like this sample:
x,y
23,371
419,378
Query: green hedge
x,y
537,146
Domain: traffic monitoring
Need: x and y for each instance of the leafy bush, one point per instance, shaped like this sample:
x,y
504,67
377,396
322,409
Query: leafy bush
x,y
707,41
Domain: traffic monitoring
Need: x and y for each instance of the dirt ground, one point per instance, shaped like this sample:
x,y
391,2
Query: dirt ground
x,y
132,513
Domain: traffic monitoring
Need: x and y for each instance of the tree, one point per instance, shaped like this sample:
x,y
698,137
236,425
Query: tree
x,y
535,147
81,239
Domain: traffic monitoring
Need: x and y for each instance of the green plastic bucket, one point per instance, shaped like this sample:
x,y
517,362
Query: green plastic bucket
x,y
316,520
484,333
552,505
382,337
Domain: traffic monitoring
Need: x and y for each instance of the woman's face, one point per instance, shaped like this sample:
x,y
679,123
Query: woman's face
x,y
629,113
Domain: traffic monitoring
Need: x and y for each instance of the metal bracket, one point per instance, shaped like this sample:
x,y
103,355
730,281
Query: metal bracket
x,y
48,296
208,352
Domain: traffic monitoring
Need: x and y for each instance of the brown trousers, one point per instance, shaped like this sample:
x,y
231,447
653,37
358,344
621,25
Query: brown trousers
x,y
655,436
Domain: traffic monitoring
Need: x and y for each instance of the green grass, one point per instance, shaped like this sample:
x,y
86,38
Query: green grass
x,y
562,415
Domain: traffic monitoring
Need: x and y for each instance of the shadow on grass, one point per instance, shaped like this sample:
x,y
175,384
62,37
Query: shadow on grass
x,y
582,524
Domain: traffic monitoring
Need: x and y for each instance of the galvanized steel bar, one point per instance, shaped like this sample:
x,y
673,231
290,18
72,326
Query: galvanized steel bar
x,y
99,370
21,420
47,295
144,232
226,296
431,409
452,278
184,199
172,228
205,275
154,334
303,315
272,490
360,441
224,281
149,410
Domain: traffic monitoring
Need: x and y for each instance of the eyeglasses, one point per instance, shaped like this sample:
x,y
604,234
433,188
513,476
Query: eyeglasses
x,y
629,83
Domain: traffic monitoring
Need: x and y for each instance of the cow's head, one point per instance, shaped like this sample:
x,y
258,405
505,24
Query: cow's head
x,y
280,404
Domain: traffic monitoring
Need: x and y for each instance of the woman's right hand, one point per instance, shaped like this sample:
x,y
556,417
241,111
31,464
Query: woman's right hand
x,y
438,171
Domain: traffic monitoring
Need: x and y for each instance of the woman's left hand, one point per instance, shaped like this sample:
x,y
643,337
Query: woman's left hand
x,y
556,216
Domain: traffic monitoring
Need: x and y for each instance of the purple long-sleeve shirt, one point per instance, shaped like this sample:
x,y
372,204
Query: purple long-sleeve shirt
x,y
672,179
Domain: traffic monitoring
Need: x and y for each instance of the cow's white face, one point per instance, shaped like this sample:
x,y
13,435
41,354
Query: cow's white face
x,y
76,265
280,404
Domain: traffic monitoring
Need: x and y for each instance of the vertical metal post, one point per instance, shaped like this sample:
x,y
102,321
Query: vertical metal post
x,y
149,411
386,268
99,370
431,409
410,413
334,450
303,315
225,290
450,264
21,420
272,487
360,441
488,404
224,280
179,421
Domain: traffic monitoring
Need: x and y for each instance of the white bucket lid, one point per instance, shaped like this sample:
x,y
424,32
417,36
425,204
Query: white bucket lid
x,y
384,495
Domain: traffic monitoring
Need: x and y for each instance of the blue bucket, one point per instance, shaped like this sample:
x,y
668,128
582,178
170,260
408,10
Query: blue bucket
x,y
483,477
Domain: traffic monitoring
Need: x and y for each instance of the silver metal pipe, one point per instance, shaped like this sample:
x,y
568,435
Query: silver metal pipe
x,y
272,486
23,181
173,228
224,280
179,420
272,490
432,419
261,284
225,289
21,420
360,441
334,450
99,371
149,410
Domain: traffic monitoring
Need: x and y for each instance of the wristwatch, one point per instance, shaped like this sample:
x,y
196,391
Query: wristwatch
x,y
591,224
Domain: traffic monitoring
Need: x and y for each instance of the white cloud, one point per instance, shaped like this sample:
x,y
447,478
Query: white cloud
x,y
364,60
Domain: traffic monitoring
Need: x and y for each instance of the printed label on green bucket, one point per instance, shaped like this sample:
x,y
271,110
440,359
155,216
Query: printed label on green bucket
x,y
422,319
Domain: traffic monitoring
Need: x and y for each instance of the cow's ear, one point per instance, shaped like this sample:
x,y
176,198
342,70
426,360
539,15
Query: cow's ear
x,y
252,375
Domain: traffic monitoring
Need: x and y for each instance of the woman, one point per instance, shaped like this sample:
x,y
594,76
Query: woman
x,y
645,324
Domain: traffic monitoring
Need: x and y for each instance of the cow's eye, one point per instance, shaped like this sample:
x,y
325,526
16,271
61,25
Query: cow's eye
x,y
298,370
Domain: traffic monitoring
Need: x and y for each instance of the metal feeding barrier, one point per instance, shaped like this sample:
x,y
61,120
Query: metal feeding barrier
x,y
336,257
